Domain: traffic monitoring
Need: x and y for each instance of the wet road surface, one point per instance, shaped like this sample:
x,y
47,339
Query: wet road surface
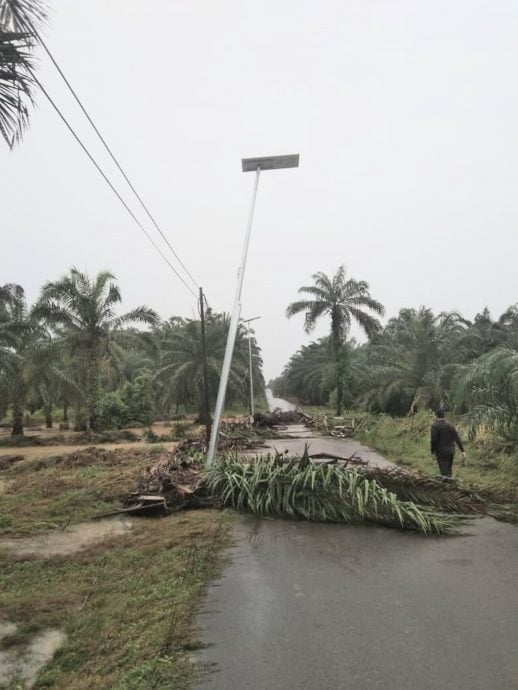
x,y
315,606
344,447
278,403
320,607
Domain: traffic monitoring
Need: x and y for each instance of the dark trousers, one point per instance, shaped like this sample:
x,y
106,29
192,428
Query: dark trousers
x,y
445,462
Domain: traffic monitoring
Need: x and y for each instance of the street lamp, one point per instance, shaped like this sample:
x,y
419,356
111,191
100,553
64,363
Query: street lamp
x,y
249,165
250,370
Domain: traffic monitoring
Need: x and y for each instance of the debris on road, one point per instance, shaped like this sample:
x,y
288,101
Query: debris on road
x,y
319,487
296,488
279,418
334,459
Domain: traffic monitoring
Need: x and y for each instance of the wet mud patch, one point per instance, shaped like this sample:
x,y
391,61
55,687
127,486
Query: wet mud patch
x,y
21,663
66,542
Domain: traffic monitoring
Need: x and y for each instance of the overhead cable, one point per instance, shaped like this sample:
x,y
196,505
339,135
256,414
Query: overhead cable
x,y
110,152
109,183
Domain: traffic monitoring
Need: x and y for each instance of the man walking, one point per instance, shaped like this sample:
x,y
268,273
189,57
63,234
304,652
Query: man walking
x,y
443,438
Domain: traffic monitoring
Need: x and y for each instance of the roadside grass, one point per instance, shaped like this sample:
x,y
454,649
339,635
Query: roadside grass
x,y
175,431
491,466
320,409
127,603
50,492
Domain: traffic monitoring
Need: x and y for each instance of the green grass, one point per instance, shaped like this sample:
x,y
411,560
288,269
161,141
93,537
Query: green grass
x,y
319,409
127,603
490,467
46,493
240,410
489,464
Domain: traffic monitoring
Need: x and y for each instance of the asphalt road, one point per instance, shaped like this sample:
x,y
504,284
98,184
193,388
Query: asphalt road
x,y
278,403
316,606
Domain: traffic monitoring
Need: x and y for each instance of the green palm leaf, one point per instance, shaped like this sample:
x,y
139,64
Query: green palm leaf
x,y
271,487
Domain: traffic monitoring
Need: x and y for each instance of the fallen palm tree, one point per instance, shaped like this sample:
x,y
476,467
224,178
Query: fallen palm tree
x,y
297,488
274,487
410,485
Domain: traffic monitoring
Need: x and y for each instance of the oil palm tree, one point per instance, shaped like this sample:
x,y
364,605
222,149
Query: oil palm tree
x,y
309,374
488,389
17,21
180,373
412,362
26,353
344,300
82,312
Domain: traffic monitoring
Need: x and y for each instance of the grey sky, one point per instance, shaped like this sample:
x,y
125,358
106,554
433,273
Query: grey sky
x,y
404,113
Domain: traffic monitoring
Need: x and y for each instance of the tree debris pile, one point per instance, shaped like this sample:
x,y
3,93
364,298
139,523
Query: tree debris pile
x,y
332,426
175,482
315,488
330,459
280,418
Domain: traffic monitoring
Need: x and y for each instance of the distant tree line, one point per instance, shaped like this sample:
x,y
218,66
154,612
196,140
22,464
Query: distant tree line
x,y
71,350
419,360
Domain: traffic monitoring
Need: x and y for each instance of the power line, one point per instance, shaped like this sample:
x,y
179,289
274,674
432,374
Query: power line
x,y
112,155
109,183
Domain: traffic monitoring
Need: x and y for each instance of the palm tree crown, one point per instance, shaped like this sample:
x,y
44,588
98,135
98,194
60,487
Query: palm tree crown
x,y
18,19
344,300
86,308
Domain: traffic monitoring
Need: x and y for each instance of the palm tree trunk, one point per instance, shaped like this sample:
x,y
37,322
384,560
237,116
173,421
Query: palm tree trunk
x,y
340,367
202,415
339,388
80,422
65,414
17,428
93,389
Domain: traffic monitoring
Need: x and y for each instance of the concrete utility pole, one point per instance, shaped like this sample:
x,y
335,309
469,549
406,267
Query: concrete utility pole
x,y
250,369
249,165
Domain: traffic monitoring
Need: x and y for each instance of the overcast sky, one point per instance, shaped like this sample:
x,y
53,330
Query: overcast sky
x,y
404,114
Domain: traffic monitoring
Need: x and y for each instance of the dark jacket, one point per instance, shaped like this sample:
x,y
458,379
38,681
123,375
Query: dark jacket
x,y
443,438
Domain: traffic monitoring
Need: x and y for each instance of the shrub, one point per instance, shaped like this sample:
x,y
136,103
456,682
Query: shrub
x,y
138,402
114,413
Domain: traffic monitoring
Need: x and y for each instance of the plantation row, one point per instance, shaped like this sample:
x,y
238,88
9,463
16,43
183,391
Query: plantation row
x,y
419,360
71,351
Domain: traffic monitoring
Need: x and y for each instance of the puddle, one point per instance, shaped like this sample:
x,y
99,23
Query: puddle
x,y
23,663
62,543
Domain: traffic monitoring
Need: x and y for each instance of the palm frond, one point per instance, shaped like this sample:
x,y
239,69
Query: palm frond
x,y
274,487
18,19
140,314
